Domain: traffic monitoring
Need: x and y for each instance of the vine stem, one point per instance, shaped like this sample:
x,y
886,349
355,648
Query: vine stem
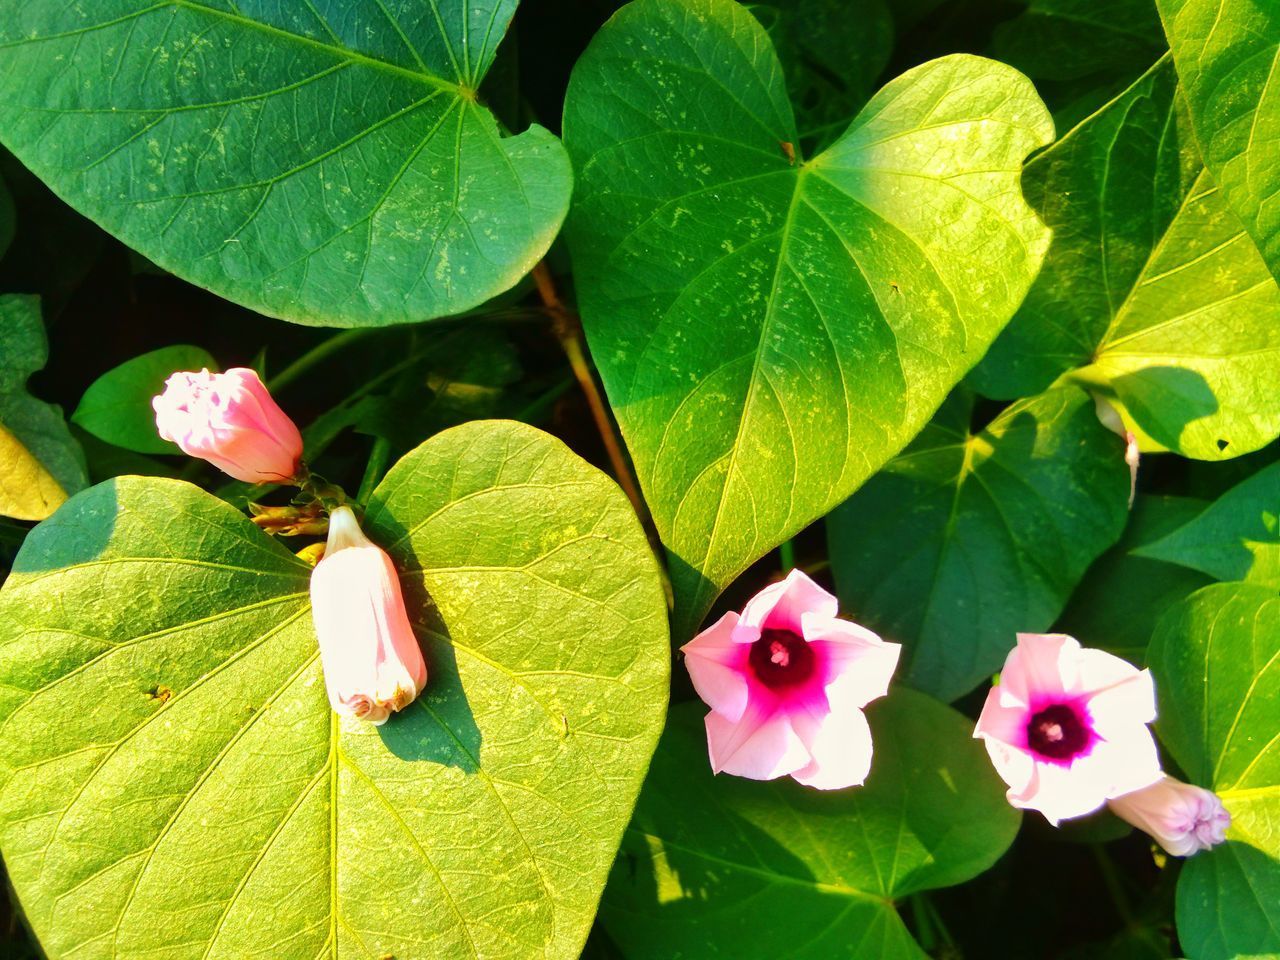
x,y
321,351
374,469
568,330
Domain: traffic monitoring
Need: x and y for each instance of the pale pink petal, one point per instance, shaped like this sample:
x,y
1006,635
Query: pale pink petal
x,y
1015,767
839,745
781,606
1001,720
1125,705
761,746
859,665
1039,665
717,666
1122,765
1058,792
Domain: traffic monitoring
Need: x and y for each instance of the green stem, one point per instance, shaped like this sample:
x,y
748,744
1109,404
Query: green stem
x,y
374,469
1114,887
924,926
317,354
787,556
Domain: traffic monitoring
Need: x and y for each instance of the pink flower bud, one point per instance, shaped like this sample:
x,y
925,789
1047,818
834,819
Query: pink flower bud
x,y
372,662
786,681
1182,818
1110,418
230,420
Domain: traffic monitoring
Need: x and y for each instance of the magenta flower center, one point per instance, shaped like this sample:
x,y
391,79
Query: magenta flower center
x,y
781,659
1059,732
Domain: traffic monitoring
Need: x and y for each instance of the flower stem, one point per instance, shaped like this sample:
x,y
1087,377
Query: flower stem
x,y
374,469
787,556
568,330
320,352
1114,887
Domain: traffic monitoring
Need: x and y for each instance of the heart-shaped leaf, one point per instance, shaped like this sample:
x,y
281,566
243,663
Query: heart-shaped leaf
x,y
805,874
1074,39
173,782
1236,538
117,406
966,539
1216,658
324,161
770,328
40,462
1125,592
1226,52
1152,292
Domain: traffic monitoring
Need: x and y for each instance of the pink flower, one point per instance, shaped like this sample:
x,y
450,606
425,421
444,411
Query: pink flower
x,y
1182,818
1067,727
230,420
372,662
786,682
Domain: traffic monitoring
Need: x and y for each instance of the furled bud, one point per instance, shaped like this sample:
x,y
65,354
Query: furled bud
x,y
1182,818
230,420
372,662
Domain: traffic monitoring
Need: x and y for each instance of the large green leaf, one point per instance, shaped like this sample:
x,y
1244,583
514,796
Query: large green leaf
x,y
1227,53
771,332
326,161
117,406
1072,39
1216,659
966,539
40,462
1152,292
1125,592
1236,538
173,783
725,867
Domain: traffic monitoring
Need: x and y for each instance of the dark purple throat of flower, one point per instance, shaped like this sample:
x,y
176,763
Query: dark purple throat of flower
x,y
1059,732
781,659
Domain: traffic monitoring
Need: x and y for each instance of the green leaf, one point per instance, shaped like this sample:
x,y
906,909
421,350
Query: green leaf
x,y
966,539
1152,293
712,866
1073,39
326,162
161,698
40,462
1124,594
117,406
769,334
1226,52
1216,659
1236,538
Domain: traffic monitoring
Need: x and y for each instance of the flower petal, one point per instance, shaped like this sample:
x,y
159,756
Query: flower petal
x,y
1002,721
760,746
839,744
1039,665
859,665
717,666
781,606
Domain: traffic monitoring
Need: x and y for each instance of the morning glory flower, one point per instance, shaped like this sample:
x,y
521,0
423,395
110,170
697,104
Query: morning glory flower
x,y
1067,727
786,681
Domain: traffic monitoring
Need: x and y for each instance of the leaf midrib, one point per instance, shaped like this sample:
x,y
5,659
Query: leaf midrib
x,y
346,53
